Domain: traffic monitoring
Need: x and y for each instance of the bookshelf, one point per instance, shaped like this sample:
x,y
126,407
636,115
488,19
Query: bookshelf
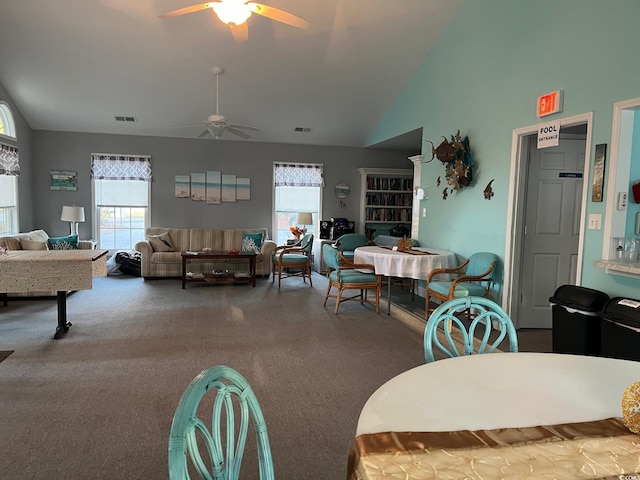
x,y
386,199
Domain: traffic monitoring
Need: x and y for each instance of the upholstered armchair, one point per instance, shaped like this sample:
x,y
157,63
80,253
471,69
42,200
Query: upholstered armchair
x,y
293,260
473,278
345,275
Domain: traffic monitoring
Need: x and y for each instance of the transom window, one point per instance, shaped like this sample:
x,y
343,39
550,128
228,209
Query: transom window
x,y
7,125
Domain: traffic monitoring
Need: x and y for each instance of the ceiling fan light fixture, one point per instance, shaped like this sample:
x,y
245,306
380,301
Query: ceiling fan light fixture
x,y
234,12
216,131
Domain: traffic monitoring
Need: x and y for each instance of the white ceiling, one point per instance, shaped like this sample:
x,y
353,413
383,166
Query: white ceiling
x,y
73,65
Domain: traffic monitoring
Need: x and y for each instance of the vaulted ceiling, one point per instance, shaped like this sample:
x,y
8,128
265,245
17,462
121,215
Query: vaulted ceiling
x,y
75,65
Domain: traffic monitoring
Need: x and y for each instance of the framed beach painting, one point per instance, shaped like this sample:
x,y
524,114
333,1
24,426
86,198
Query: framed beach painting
x,y
243,188
228,188
183,186
198,188
214,187
63,180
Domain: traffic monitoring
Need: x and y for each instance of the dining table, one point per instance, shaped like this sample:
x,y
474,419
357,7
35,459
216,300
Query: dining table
x,y
415,264
500,415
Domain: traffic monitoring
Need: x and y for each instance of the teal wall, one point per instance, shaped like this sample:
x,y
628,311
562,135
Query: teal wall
x,y
483,77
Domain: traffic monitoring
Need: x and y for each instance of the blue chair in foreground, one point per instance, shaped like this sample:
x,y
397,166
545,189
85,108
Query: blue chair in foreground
x,y
348,242
293,260
446,322
232,396
345,275
473,278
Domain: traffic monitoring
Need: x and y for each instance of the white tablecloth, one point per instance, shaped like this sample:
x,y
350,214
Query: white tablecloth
x,y
499,390
399,264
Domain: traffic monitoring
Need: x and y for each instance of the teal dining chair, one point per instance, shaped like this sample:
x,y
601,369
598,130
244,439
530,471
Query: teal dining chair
x,y
190,435
293,260
447,331
348,242
472,278
345,275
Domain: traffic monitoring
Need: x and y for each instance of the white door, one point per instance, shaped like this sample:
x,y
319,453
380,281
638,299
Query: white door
x,y
552,227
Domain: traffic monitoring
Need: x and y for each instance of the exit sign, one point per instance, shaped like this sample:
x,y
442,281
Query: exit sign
x,y
549,103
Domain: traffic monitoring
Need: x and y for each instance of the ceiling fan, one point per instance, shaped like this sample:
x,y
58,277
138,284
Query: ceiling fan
x,y
216,125
236,12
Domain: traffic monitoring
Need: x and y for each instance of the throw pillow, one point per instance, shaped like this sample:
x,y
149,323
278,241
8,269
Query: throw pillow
x,y
70,242
33,245
161,243
252,242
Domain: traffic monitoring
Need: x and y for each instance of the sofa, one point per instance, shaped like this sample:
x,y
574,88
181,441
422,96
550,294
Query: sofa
x,y
40,240
162,248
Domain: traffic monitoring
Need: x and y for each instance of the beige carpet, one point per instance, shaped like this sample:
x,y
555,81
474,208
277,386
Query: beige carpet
x,y
99,402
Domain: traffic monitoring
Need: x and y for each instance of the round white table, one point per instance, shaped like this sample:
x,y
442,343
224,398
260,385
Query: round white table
x,y
393,263
499,390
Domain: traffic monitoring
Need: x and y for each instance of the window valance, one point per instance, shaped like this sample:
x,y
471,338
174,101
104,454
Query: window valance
x,y
298,175
109,166
9,161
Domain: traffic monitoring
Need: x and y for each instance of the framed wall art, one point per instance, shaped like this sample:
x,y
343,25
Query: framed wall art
x,y
243,188
183,186
63,180
598,172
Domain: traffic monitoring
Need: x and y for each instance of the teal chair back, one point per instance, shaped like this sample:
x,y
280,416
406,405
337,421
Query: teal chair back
x,y
446,330
306,243
331,257
480,262
189,435
348,242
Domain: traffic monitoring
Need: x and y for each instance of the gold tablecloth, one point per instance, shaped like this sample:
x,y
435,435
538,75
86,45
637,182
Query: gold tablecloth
x,y
598,449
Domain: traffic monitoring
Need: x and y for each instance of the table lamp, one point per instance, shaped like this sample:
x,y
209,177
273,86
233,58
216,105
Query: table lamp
x,y
304,219
73,215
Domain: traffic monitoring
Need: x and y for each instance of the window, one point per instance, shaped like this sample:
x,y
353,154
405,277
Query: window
x,y
297,188
7,125
9,172
121,190
8,205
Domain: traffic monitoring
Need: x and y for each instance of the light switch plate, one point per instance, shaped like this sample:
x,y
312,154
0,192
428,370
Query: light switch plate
x,y
595,221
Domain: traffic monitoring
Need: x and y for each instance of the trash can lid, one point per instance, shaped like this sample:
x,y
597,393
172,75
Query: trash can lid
x,y
579,298
623,310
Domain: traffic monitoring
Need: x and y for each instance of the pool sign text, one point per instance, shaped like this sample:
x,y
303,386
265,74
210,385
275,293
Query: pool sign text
x,y
549,134
549,103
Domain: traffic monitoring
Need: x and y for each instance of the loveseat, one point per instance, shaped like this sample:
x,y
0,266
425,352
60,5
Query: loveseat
x,y
162,248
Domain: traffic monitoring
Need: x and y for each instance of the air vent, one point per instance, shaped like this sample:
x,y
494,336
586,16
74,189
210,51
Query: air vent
x,y
123,118
302,129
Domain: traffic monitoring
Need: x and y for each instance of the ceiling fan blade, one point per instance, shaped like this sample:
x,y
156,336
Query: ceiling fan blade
x,y
278,15
203,133
240,32
245,127
238,133
185,10
187,126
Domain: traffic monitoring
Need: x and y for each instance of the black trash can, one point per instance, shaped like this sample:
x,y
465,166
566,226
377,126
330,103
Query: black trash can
x,y
620,332
576,319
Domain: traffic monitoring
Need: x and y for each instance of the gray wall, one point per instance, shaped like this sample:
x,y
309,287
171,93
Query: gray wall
x,y
175,156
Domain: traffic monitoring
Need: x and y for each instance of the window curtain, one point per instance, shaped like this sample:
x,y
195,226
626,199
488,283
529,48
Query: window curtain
x,y
107,166
298,175
9,161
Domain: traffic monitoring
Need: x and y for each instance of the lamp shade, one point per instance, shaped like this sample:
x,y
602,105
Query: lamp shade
x,y
305,218
72,214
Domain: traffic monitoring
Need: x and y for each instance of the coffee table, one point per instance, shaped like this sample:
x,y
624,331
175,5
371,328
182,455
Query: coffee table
x,y
223,277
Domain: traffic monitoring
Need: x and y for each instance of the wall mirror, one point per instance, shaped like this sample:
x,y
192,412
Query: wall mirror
x,y
621,213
